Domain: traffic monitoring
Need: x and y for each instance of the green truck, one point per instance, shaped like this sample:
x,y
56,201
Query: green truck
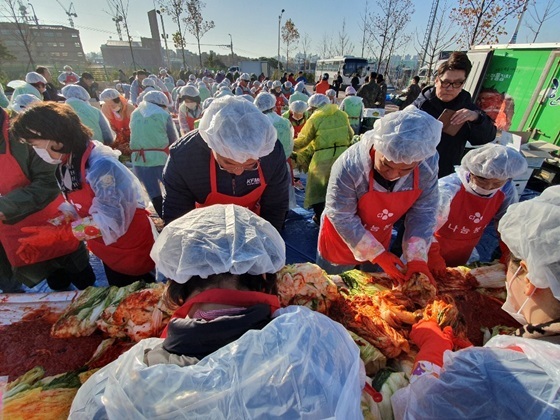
x,y
518,87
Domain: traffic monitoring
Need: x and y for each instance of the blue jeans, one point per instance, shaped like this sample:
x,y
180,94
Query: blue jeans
x,y
151,177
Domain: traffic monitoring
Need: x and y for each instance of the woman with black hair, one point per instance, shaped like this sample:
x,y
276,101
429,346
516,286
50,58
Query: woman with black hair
x,y
108,204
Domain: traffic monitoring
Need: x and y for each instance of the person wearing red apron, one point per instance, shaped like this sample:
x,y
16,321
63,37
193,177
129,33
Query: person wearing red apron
x,y
372,185
29,197
480,191
190,109
103,193
297,115
117,110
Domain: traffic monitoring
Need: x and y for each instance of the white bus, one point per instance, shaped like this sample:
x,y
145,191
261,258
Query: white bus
x,y
347,66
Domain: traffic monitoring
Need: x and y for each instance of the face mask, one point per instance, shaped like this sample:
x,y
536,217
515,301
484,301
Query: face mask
x,y
508,305
481,191
191,105
44,154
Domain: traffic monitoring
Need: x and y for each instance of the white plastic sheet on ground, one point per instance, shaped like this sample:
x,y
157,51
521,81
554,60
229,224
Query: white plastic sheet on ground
x,y
300,366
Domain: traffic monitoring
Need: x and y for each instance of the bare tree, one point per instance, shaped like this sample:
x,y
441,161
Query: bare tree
x,y
122,7
441,39
387,27
325,46
552,9
195,23
305,46
17,13
290,35
343,45
483,21
364,28
175,9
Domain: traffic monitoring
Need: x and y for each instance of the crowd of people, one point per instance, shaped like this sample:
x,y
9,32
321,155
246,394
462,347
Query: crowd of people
x,y
217,158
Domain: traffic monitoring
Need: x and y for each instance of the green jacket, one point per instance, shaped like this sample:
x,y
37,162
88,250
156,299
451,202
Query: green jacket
x,y
325,136
149,131
284,132
27,88
353,106
89,116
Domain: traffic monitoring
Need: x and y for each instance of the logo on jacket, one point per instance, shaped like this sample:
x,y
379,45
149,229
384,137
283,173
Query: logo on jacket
x,y
253,181
385,214
477,217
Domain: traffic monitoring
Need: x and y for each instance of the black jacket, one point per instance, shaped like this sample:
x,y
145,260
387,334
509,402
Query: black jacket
x,y
186,178
451,148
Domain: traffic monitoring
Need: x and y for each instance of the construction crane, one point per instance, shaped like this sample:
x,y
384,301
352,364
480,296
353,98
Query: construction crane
x,y
428,34
70,12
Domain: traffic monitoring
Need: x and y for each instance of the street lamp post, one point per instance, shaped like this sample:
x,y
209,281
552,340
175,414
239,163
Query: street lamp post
x,y
231,46
279,22
164,39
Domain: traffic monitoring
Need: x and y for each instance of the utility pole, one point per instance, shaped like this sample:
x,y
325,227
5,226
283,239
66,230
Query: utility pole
x,y
279,22
231,46
428,34
164,38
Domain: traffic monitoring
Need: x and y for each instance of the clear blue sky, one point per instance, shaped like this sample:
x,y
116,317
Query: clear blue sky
x,y
253,24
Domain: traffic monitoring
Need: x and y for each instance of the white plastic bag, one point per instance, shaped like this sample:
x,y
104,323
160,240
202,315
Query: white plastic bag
x,y
302,365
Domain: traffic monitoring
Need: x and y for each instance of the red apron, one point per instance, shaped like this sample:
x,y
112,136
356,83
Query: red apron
x,y
279,104
122,128
142,152
469,215
13,178
190,122
70,79
131,253
378,212
250,201
240,298
297,127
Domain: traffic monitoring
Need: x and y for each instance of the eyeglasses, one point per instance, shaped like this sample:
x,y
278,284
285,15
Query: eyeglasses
x,y
232,168
445,84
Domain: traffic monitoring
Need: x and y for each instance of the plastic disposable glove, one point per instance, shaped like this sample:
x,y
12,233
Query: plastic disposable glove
x,y
414,267
436,263
392,265
42,237
431,341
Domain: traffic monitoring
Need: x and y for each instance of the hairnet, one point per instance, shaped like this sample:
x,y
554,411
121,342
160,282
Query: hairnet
x,y
265,101
162,71
276,83
236,129
256,84
330,92
298,107
494,161
245,76
218,239
350,91
318,100
207,103
23,101
189,91
75,91
299,86
34,77
152,76
248,97
192,77
288,84
531,230
180,82
406,136
269,84
68,68
156,97
148,82
109,94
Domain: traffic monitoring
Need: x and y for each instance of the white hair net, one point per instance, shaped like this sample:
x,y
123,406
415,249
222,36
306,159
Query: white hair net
x,y
236,129
318,100
265,101
288,84
75,91
68,68
299,86
109,94
276,84
298,107
531,230
192,77
406,136
248,97
218,239
330,92
256,84
350,91
189,91
34,77
495,161
269,84
156,97
245,76
148,82
207,103
180,82
22,102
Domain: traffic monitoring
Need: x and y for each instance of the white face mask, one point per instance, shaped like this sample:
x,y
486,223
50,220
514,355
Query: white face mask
x,y
481,191
191,105
508,305
44,154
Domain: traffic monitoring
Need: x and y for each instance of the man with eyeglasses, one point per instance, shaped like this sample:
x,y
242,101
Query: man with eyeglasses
x,y
233,158
447,93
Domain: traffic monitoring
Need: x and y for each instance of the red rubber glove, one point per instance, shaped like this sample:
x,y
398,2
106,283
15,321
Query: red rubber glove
x,y
431,341
42,237
392,265
436,263
414,267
